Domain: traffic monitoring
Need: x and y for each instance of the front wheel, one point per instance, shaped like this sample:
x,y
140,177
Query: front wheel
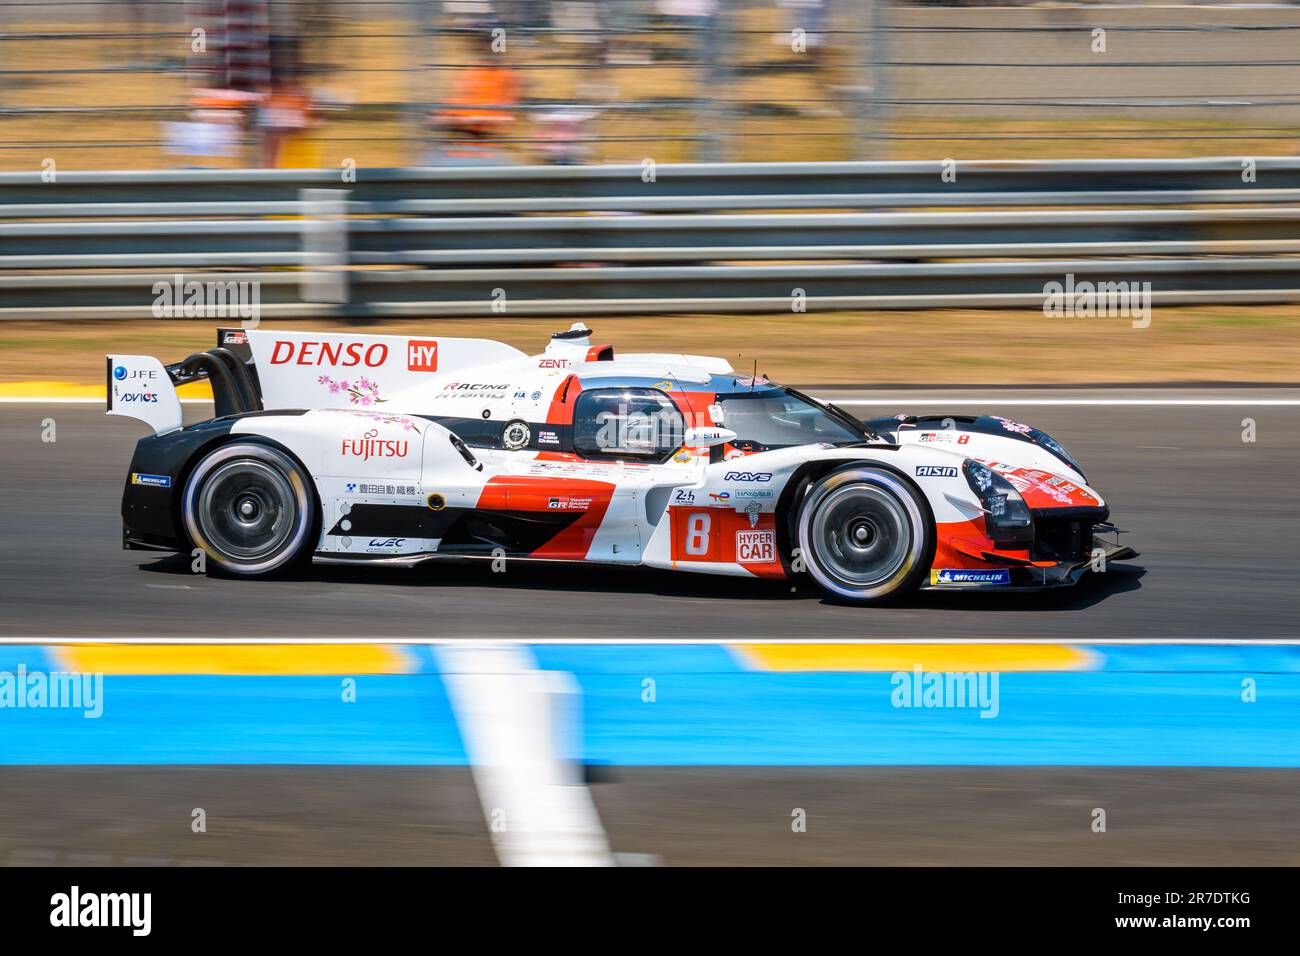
x,y
865,535
250,508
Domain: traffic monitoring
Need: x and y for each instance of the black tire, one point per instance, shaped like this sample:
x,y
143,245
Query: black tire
x,y
251,508
865,535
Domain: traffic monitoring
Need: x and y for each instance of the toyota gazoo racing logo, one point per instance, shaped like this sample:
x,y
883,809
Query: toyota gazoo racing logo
x,y
747,476
333,354
370,445
568,504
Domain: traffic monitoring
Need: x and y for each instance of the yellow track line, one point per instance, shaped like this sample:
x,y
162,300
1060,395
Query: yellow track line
x,y
291,659
906,657
37,391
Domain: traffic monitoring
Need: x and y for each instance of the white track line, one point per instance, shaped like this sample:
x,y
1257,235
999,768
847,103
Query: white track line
x,y
520,732
441,642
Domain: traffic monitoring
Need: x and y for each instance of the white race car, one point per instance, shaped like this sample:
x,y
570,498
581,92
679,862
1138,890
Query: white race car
x,y
353,448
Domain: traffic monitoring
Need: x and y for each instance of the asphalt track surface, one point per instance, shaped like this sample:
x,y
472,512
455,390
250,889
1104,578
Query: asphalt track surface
x,y
1214,517
680,816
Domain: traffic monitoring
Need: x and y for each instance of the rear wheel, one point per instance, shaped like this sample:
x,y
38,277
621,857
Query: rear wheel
x,y
865,535
250,508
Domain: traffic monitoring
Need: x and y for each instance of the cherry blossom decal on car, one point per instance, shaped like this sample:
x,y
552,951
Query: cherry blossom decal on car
x,y
361,392
1011,426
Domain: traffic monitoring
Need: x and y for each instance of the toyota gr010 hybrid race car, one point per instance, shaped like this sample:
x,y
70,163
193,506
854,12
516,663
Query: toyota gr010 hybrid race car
x,y
391,449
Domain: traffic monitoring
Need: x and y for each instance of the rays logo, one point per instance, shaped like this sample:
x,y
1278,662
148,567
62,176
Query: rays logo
x,y
747,476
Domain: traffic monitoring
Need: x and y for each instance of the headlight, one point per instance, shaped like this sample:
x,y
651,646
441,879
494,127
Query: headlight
x,y
1006,516
1055,447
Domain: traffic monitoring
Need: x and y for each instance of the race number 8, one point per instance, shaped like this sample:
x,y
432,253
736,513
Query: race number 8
x,y
697,533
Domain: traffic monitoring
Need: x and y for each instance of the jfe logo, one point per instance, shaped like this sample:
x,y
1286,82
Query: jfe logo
x,y
121,373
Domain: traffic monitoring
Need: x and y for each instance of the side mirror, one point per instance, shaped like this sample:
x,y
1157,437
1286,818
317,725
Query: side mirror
x,y
708,437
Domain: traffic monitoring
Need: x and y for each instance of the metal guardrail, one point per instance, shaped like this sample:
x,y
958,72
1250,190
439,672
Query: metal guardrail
x,y
709,238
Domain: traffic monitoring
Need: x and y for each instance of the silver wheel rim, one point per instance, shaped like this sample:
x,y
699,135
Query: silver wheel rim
x,y
245,510
248,508
862,533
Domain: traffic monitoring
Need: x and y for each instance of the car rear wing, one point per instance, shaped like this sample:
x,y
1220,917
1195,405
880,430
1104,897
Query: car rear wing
x,y
141,387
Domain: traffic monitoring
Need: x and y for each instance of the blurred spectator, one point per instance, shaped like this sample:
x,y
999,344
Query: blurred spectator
x,y
566,139
481,109
288,111
284,121
214,128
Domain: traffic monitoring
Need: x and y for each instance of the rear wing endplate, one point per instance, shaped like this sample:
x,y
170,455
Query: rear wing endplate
x,y
140,386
